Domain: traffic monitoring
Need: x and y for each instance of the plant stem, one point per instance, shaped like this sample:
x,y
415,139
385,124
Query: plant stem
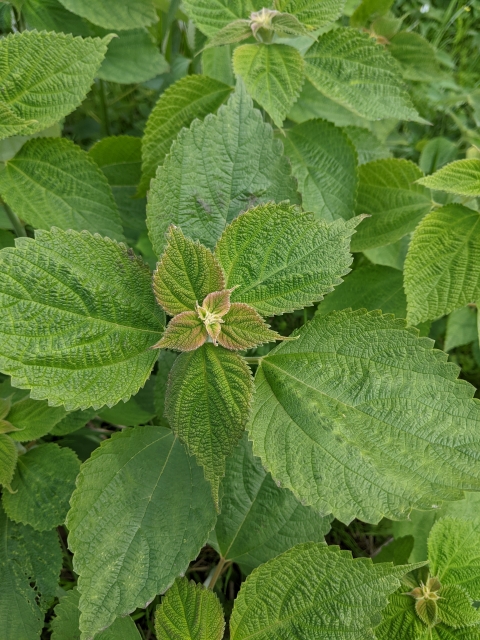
x,y
103,103
217,573
253,359
14,219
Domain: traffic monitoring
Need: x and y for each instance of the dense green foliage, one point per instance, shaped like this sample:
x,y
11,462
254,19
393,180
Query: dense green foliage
x,y
183,185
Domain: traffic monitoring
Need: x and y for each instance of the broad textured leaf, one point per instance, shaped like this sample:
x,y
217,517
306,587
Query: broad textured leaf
x,y
120,159
185,332
188,611
236,31
51,182
325,164
361,418
416,56
352,69
51,15
34,418
369,287
244,328
399,620
73,422
131,58
367,145
455,607
461,328
65,625
388,193
8,459
212,15
314,13
186,274
442,269
129,14
308,593
259,520
273,75
217,169
43,483
454,553
147,506
190,98
78,318
30,564
44,77
283,259
207,405
461,177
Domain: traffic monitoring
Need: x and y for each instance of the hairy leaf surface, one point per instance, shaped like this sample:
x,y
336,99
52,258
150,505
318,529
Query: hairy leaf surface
x,y
8,459
273,75
212,15
388,193
147,506
325,165
44,76
244,328
189,611
78,318
361,418
314,13
129,14
442,269
352,69
309,591
51,182
259,520
43,483
367,145
282,259
207,405
461,177
217,169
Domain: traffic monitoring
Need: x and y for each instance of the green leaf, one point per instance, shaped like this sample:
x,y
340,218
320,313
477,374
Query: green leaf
x,y
352,418
147,506
165,363
65,625
217,169
436,153
325,165
236,31
186,274
442,269
73,422
286,598
455,607
259,520
367,145
34,418
314,13
398,551
282,259
140,409
368,287
8,459
416,56
37,65
42,486
50,15
109,14
352,69
461,177
185,332
244,328
80,316
368,11
189,612
388,193
207,405
217,64
399,620
454,553
390,255
132,58
30,564
190,98
273,75
212,15
461,328
51,182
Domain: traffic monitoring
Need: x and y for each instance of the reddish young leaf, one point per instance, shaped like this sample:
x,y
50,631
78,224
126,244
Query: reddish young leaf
x,y
185,332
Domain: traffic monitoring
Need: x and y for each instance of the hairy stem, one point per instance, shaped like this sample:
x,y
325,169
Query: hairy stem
x,y
253,359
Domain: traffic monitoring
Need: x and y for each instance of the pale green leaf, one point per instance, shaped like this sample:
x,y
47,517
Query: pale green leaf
x,y
314,13
51,15
390,255
388,193
43,483
461,177
217,64
34,418
325,165
207,405
273,75
442,632
186,274
259,520
442,269
51,182
8,459
313,592
65,625
73,422
217,169
188,611
416,56
461,328
399,620
352,69
212,15
147,506
367,145
165,363
236,31
437,153
244,328
353,417
131,58
78,316
129,14
368,11
190,98
44,76
282,259
368,287
455,607
30,564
